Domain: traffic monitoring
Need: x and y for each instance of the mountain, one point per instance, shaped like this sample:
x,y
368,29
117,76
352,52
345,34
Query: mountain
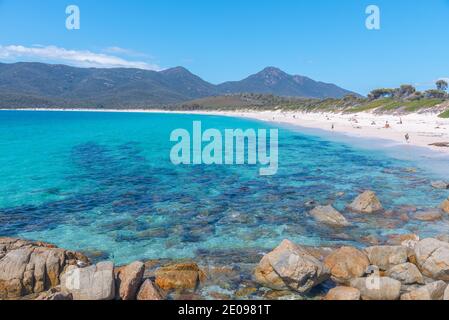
x,y
41,85
90,87
274,81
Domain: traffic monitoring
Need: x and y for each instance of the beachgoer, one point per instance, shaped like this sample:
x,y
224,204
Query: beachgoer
x,y
407,138
387,125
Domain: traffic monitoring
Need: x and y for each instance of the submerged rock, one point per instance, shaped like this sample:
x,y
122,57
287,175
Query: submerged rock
x,y
129,279
28,267
432,257
346,263
343,294
95,282
445,206
329,216
377,288
366,203
407,273
402,239
290,267
386,257
430,215
180,277
431,291
440,185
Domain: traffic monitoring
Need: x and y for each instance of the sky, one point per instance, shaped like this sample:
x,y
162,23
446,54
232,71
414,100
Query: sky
x,y
223,40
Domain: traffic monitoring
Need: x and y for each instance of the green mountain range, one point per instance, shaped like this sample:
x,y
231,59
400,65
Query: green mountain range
x,y
38,85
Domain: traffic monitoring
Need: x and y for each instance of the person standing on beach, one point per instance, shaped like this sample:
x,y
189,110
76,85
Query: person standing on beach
x,y
407,138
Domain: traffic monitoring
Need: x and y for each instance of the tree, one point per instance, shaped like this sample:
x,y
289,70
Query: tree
x,y
405,91
442,85
435,94
381,93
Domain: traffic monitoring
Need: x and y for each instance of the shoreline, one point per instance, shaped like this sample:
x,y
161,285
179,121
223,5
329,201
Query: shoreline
x,y
424,129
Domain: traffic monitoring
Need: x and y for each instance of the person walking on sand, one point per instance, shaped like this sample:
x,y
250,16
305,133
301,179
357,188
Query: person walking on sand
x,y
333,126
387,125
407,138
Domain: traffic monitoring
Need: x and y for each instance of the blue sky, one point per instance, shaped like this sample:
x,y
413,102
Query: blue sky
x,y
222,40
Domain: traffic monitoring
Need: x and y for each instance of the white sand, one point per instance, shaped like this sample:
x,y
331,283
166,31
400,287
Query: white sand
x,y
423,129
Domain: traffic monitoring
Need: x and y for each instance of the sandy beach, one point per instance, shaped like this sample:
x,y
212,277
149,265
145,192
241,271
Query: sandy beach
x,y
423,129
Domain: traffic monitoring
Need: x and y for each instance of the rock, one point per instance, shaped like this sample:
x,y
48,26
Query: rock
x,y
446,294
386,257
244,292
440,185
148,291
329,216
377,288
28,267
290,267
432,257
129,280
443,237
432,291
367,203
370,239
180,277
407,273
92,283
445,206
343,294
54,294
402,239
431,215
346,263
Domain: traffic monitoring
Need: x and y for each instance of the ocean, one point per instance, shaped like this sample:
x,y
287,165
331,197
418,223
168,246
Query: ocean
x,y
103,183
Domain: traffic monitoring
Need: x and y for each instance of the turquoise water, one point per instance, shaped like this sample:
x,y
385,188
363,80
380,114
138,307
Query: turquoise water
x,y
103,182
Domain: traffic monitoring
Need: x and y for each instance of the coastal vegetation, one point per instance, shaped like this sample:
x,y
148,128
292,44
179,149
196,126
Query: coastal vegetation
x,y
402,100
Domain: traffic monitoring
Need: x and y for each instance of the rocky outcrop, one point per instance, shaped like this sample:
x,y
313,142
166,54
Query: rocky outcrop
x,y
95,282
343,294
432,257
28,267
148,291
291,267
386,257
407,273
346,263
329,216
180,277
366,203
377,288
431,291
129,279
446,294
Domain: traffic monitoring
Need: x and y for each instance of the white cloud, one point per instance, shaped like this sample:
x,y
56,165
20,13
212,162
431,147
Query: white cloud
x,y
80,58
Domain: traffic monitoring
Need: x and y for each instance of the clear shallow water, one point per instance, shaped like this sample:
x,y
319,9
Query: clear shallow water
x,y
103,182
